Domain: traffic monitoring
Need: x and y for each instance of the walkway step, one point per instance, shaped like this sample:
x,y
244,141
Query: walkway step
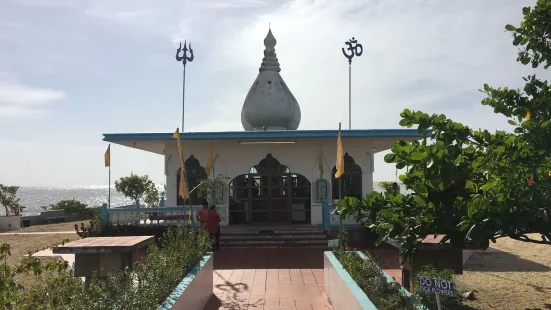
x,y
274,235
279,240
270,238
267,246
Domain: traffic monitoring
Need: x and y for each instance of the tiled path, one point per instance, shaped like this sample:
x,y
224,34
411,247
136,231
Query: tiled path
x,y
268,279
286,278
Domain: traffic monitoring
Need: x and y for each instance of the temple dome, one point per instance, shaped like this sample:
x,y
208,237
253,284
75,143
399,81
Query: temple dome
x,y
270,105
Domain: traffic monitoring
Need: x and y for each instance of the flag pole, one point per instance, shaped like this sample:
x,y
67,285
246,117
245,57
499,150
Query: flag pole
x,y
107,158
356,49
109,195
340,216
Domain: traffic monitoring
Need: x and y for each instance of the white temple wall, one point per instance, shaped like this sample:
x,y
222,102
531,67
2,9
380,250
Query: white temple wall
x,y
234,159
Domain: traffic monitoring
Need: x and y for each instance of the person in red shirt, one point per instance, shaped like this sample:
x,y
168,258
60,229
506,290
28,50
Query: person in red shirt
x,y
203,216
214,227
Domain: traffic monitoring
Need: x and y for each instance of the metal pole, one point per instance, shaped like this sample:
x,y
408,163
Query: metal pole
x,y
340,217
183,98
349,95
109,195
438,303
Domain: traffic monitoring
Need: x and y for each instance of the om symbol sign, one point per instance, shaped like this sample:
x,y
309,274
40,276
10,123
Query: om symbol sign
x,y
355,48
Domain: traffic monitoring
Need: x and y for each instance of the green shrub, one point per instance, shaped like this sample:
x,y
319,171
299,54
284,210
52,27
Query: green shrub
x,y
72,206
429,299
146,286
371,279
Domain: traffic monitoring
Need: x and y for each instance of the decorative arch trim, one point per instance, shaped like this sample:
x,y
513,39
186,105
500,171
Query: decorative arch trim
x,y
321,190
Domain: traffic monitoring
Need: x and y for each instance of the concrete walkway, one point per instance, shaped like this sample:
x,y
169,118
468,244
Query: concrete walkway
x,y
268,279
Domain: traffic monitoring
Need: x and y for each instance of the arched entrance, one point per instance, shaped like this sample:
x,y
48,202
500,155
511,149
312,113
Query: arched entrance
x,y
270,193
351,180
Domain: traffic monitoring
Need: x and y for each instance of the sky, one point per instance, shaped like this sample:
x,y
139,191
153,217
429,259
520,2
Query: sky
x,y
71,71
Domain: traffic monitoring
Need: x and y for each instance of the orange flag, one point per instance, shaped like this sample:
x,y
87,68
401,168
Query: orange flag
x,y
340,156
108,156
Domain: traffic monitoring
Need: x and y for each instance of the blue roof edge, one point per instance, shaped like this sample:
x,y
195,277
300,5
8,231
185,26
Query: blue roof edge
x,y
271,134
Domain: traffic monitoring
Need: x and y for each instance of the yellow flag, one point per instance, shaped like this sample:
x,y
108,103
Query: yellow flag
x,y
108,156
528,115
340,156
210,161
177,136
183,186
320,163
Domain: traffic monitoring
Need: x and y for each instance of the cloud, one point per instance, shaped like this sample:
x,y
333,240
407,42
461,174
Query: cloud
x,y
22,101
423,55
429,55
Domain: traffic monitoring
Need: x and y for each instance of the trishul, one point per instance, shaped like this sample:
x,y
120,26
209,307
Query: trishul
x,y
355,48
184,58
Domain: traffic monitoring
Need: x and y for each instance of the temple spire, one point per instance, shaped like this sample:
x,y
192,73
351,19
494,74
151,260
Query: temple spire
x,y
269,62
270,105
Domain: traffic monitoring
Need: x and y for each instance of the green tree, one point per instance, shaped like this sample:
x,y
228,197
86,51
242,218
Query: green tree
x,y
71,206
212,190
9,200
475,186
138,188
533,35
388,187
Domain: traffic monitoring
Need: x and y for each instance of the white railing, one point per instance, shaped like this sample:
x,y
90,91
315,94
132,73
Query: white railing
x,y
172,216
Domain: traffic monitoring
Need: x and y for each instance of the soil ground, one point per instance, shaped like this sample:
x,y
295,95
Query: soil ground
x,y
518,278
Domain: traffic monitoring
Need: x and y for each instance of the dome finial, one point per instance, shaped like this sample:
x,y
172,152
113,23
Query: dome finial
x,y
269,62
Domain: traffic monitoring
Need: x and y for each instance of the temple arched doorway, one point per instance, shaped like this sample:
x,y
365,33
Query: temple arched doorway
x,y
350,184
270,193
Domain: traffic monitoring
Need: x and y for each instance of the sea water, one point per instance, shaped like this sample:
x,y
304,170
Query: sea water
x,y
33,198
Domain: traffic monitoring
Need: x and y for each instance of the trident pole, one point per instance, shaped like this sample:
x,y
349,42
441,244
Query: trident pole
x,y
354,49
183,97
184,58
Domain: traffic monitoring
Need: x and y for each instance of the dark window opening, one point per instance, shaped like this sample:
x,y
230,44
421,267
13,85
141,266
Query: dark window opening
x,y
351,180
194,174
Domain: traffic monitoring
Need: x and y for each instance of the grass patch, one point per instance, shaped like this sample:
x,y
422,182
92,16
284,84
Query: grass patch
x,y
68,226
21,245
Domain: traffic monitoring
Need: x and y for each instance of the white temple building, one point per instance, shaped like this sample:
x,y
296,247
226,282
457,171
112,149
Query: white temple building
x,y
273,167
